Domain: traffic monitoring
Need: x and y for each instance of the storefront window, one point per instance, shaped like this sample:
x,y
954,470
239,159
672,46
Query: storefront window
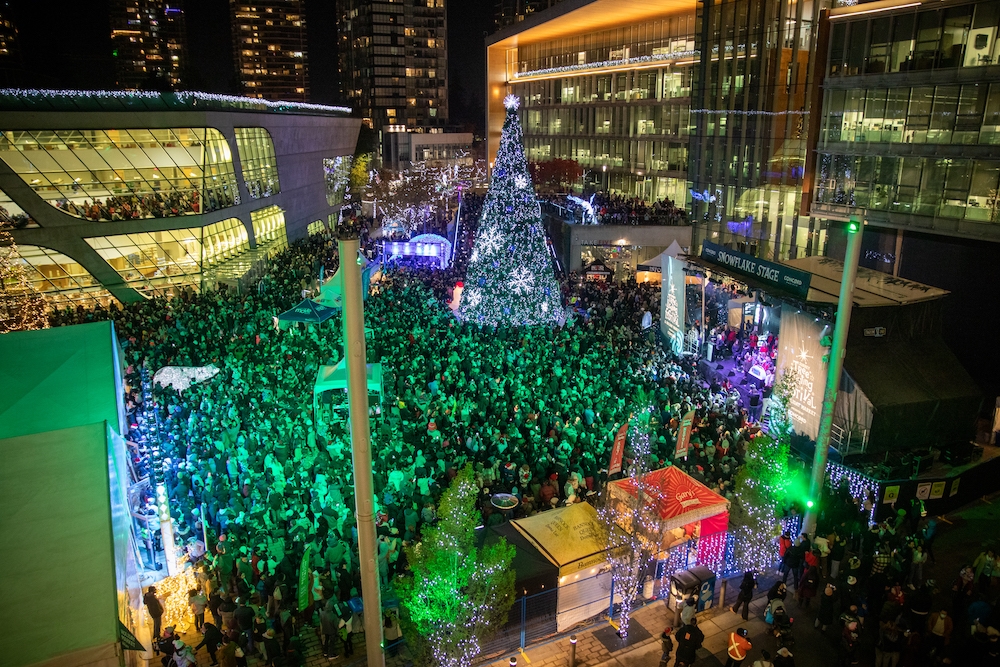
x,y
125,174
12,215
257,160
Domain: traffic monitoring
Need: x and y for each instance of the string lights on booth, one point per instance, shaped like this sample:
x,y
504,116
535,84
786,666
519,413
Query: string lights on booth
x,y
173,590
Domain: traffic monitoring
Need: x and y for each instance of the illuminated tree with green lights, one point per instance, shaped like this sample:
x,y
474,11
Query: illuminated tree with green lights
x,y
510,279
458,593
762,485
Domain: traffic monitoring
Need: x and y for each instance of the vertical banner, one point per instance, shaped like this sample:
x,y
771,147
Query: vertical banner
x,y
618,451
672,307
684,435
304,587
800,351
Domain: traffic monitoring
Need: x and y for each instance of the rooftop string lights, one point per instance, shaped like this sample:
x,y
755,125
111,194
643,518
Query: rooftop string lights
x,y
185,99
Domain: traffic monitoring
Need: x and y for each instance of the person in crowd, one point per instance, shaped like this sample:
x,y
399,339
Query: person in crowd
x,y
747,587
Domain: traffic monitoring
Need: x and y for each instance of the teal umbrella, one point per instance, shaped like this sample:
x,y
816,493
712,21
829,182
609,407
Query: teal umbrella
x,y
307,311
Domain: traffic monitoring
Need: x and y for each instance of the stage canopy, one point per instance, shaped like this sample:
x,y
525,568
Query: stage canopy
x,y
534,572
915,392
308,311
334,378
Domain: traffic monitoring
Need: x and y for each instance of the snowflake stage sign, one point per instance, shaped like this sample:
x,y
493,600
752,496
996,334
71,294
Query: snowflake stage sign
x,y
510,280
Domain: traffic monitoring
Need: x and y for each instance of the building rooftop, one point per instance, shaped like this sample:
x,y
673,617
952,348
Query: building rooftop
x,y
13,99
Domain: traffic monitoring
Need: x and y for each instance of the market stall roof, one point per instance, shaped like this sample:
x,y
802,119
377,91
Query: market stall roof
x,y
872,288
335,377
308,311
569,537
679,499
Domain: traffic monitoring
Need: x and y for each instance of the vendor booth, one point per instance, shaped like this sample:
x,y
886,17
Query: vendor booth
x,y
334,379
569,538
651,270
597,272
688,511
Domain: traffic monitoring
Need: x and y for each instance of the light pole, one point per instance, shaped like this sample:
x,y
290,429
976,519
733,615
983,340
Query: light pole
x,y
361,449
833,371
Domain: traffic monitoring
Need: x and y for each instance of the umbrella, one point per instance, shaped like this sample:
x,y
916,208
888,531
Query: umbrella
x,y
307,311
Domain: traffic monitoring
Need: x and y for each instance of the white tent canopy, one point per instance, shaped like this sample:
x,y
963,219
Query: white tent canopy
x,y
334,378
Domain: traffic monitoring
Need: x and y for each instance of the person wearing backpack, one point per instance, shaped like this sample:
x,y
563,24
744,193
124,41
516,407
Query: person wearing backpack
x,y
747,587
689,640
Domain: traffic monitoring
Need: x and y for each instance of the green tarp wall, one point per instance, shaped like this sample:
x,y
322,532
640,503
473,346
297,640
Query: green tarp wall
x,y
59,408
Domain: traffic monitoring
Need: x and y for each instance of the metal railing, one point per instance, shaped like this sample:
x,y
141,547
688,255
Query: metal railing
x,y
849,439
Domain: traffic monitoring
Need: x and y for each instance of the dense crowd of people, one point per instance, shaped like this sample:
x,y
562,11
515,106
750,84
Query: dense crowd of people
x,y
251,465
614,209
149,205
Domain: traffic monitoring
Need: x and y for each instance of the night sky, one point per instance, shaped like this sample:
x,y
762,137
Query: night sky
x,y
71,48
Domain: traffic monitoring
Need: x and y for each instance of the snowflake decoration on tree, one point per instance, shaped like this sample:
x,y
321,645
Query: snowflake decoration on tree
x,y
521,181
489,242
511,102
521,281
472,298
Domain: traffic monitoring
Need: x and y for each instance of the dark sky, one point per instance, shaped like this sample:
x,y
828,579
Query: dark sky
x,y
71,48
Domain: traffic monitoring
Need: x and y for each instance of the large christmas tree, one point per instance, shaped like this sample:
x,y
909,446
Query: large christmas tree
x,y
510,279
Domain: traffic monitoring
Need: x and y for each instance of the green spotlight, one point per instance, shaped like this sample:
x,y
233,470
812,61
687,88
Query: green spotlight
x,y
853,225
809,503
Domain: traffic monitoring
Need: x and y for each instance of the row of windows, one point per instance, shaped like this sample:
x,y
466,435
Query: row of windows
x,y
600,153
125,174
663,36
63,282
936,187
964,36
622,121
967,114
257,161
658,84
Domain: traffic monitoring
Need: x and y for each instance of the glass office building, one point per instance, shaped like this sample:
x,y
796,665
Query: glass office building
x,y
607,85
128,195
911,119
751,108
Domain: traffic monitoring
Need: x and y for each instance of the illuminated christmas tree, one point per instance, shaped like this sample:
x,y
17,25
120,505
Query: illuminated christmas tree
x,y
762,485
510,279
458,593
21,306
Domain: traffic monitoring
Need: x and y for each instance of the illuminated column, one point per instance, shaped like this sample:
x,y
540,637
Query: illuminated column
x,y
833,371
166,529
357,396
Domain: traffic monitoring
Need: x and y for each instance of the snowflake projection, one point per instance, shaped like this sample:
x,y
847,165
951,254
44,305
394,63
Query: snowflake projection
x,y
521,281
511,102
521,182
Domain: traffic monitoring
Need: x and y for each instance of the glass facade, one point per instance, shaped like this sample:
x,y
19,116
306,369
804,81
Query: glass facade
x,y
257,161
913,146
617,101
156,261
125,174
12,215
316,227
951,114
337,175
750,105
268,226
915,39
62,281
